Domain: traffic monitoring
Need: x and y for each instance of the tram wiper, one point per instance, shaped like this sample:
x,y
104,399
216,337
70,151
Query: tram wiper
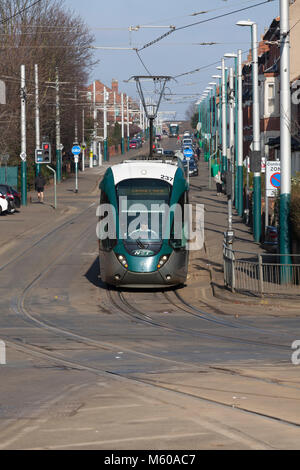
x,y
140,244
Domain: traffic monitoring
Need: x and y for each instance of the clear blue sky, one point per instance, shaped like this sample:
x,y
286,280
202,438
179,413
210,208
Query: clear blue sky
x,y
176,54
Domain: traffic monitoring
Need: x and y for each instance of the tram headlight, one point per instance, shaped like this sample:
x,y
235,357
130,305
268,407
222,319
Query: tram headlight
x,y
163,260
122,260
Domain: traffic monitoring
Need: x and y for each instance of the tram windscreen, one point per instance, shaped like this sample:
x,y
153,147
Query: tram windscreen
x,y
143,206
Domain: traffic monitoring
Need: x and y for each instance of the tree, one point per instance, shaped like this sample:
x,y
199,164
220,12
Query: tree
x,y
52,37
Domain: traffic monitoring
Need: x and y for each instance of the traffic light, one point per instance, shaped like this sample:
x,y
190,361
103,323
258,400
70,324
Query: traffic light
x,y
46,147
43,155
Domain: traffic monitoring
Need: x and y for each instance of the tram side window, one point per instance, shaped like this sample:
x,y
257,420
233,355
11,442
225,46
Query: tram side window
x,y
107,243
177,236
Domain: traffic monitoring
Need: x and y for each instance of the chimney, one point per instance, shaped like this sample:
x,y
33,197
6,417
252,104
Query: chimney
x,y
115,86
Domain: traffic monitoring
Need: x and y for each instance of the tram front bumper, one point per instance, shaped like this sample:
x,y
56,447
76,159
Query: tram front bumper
x,y
171,274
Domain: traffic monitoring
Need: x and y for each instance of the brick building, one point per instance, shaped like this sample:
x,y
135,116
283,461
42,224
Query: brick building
x,y
113,102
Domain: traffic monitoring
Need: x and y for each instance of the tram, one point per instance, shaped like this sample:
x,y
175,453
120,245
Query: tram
x,y
142,224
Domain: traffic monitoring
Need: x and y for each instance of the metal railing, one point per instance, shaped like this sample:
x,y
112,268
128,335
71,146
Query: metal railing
x,y
261,273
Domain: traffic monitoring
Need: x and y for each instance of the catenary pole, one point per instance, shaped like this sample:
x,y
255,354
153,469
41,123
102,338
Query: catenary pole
x,y
23,139
256,138
37,116
122,123
285,133
240,174
57,129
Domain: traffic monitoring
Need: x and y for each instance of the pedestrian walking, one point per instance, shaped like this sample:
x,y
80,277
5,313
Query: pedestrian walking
x,y
218,181
39,187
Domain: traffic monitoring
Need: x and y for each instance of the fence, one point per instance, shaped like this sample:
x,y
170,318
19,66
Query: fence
x,y
261,273
9,175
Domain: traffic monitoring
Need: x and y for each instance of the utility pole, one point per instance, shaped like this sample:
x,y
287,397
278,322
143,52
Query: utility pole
x,y
23,139
285,135
224,117
240,174
105,125
94,145
58,142
83,146
127,114
231,132
256,138
122,123
76,120
115,111
37,116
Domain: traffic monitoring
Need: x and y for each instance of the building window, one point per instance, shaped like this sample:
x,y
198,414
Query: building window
x,y
271,98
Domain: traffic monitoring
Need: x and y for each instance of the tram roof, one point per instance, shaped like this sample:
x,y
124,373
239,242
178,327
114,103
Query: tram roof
x,y
154,169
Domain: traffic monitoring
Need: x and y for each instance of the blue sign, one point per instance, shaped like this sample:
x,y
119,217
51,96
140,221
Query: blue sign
x,y
188,153
76,150
275,180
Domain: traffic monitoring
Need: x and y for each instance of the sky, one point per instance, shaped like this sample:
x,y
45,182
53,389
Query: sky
x,y
178,53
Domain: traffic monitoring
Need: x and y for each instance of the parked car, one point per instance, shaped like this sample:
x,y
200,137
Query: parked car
x,y
169,153
270,242
3,204
139,141
133,144
8,192
192,165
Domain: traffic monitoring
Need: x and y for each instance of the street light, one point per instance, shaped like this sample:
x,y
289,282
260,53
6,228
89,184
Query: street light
x,y
256,132
232,55
219,112
285,139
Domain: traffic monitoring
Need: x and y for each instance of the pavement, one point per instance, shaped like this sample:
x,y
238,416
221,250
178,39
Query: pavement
x,y
206,278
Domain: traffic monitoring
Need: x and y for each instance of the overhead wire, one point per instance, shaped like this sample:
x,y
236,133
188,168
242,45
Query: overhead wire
x,y
5,20
180,28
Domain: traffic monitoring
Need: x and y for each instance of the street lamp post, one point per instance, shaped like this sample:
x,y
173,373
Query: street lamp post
x,y
224,118
285,137
240,174
234,136
256,131
219,116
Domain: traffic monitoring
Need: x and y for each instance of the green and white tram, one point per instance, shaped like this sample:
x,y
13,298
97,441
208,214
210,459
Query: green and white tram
x,y
142,224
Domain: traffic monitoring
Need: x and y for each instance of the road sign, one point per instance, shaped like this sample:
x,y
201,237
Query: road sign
x,y
188,153
272,178
76,150
39,156
275,180
23,156
76,158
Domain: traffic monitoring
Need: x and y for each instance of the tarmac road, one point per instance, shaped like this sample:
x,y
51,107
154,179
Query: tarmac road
x,y
95,368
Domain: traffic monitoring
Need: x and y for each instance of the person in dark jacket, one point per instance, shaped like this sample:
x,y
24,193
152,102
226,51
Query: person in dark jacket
x,y
39,186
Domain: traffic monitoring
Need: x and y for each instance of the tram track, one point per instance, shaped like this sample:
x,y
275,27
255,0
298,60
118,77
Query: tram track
x,y
66,223
131,311
126,308
39,352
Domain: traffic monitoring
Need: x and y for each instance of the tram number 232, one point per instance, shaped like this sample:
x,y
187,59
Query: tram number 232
x,y
167,178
